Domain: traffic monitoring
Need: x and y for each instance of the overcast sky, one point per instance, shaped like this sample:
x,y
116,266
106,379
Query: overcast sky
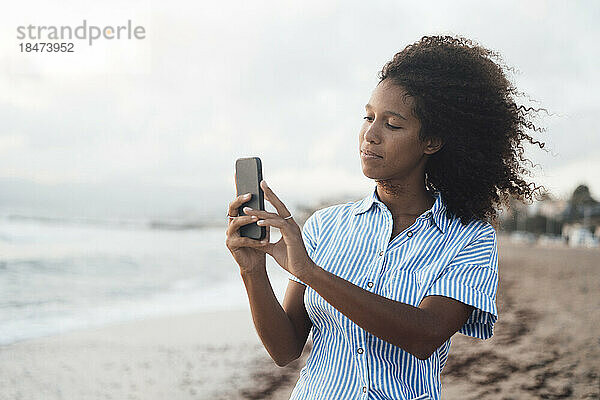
x,y
154,126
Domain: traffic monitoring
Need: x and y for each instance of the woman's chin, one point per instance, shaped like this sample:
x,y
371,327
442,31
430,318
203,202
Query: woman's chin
x,y
369,173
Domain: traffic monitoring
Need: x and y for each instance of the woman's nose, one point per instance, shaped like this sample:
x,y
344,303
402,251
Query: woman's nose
x,y
371,134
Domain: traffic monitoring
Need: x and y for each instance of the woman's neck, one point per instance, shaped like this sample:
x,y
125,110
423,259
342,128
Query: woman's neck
x,y
404,199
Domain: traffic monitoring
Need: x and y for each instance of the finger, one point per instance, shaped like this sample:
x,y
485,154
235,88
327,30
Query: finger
x,y
273,199
260,213
237,202
242,241
267,246
279,223
287,227
237,222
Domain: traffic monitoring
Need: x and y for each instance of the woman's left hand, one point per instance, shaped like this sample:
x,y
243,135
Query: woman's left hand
x,y
289,251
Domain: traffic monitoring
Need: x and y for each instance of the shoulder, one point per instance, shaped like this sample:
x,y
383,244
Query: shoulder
x,y
474,230
332,212
331,218
472,243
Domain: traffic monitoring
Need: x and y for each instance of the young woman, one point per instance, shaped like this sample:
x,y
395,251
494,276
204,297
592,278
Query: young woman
x,y
384,282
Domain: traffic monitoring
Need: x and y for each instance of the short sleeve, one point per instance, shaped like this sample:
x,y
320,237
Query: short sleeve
x,y
309,236
472,278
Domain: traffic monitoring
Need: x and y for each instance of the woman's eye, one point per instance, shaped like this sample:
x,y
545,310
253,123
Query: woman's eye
x,y
370,119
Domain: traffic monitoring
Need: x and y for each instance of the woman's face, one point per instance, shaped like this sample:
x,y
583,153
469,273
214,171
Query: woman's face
x,y
391,131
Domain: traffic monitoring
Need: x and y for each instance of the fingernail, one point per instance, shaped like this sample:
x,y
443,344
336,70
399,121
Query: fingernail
x,y
265,182
246,209
247,194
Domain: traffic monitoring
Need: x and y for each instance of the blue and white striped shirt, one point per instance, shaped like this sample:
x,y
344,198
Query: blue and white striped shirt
x,y
436,255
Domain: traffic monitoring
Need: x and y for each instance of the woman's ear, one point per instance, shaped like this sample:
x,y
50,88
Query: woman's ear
x,y
433,145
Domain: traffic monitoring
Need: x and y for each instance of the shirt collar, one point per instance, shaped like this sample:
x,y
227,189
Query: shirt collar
x,y
437,211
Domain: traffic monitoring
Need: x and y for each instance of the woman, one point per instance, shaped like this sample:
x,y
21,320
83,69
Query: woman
x,y
384,282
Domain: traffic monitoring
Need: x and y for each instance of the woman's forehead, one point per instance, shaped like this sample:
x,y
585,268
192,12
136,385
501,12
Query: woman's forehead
x,y
388,96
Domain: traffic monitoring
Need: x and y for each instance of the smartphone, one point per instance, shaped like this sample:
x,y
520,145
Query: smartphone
x,y
248,174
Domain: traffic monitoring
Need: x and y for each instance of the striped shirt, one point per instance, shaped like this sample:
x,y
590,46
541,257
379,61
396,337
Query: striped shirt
x,y
436,255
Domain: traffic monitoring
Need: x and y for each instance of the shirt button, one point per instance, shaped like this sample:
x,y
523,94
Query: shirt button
x,y
409,233
360,350
364,389
381,253
370,284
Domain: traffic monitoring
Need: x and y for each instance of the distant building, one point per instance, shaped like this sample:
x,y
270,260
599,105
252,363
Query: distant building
x,y
577,219
582,207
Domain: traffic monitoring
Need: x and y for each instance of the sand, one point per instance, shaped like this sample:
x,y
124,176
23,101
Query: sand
x,y
546,346
546,343
198,356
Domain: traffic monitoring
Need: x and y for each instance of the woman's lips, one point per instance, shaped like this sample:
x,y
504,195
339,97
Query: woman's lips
x,y
369,156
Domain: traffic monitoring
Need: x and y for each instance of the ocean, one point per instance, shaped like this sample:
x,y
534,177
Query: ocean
x,y
59,275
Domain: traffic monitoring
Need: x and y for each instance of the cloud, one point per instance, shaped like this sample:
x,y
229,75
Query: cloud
x,y
216,81
563,180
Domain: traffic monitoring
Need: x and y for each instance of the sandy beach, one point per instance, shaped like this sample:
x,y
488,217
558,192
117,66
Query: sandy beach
x,y
546,346
198,356
546,343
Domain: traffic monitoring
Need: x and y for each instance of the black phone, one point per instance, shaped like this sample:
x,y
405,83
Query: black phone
x,y
248,174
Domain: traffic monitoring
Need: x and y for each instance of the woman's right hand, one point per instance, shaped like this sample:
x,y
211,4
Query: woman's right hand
x,y
249,253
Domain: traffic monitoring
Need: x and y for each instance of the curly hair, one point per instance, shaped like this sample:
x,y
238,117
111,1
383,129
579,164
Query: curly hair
x,y
462,96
